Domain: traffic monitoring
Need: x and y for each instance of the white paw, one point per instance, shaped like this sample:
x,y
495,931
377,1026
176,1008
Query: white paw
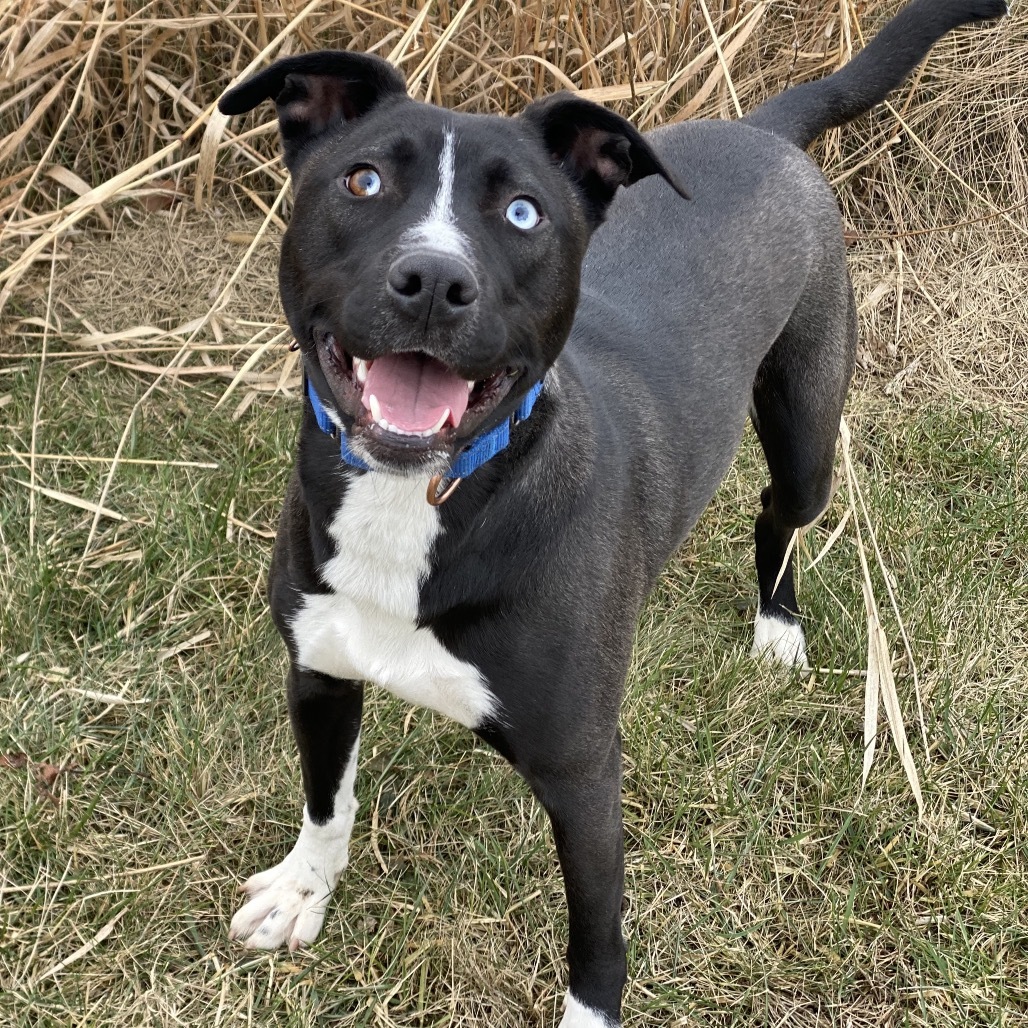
x,y
779,641
578,1015
286,904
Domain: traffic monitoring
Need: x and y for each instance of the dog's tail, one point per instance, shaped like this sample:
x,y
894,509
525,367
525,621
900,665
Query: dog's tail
x,y
803,112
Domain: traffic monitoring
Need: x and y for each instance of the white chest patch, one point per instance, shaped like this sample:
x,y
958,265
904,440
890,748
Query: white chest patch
x,y
364,629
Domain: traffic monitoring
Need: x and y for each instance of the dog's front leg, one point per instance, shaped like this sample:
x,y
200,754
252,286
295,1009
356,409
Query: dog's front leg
x,y
287,903
583,801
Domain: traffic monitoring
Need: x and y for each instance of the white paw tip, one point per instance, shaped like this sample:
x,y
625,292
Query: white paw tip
x,y
578,1015
286,908
781,642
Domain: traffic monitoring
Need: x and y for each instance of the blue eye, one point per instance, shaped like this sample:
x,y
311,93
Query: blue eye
x,y
523,214
363,182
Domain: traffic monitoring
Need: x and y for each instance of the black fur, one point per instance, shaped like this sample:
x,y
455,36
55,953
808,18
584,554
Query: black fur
x,y
598,149
315,93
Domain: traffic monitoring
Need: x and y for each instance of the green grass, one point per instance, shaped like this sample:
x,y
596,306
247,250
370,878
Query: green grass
x,y
764,888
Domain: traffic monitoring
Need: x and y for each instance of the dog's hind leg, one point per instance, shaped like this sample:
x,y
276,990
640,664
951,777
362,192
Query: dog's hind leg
x,y
287,903
798,397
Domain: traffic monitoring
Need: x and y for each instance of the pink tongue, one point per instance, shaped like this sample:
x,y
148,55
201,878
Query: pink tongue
x,y
413,391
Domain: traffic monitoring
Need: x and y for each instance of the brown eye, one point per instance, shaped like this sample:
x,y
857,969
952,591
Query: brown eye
x,y
363,182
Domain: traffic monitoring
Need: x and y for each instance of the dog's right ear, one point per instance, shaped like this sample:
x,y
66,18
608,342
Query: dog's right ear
x,y
314,93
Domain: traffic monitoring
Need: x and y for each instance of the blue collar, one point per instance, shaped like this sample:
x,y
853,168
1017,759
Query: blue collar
x,y
469,460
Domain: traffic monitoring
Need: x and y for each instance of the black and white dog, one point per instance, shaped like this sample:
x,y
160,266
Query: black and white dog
x,y
523,386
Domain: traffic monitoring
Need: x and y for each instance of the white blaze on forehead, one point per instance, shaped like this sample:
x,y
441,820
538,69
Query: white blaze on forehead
x,y
438,230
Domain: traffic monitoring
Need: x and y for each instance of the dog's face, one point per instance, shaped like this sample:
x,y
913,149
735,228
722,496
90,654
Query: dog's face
x,y
430,270
430,275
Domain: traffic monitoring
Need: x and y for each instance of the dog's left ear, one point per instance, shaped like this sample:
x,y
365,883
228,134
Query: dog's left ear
x,y
314,93
598,149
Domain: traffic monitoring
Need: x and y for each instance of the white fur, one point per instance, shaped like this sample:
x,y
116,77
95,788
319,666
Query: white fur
x,y
286,904
438,230
365,628
334,418
779,641
578,1015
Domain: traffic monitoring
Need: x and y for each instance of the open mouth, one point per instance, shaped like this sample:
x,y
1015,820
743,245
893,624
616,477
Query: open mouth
x,y
410,401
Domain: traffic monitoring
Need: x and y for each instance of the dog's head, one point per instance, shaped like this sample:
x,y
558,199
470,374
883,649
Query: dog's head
x,y
430,270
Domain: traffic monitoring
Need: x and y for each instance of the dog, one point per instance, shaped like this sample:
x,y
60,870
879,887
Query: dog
x,y
523,383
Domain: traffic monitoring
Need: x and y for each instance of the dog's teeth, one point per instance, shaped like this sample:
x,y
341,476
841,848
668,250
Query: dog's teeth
x,y
360,368
376,416
471,386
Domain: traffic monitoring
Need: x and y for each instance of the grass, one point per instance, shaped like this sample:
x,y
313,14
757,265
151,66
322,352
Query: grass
x,y
146,767
763,887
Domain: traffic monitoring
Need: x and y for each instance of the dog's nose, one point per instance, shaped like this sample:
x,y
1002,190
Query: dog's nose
x,y
427,285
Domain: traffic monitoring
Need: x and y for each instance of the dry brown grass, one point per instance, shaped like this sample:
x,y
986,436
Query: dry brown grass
x,y
106,115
